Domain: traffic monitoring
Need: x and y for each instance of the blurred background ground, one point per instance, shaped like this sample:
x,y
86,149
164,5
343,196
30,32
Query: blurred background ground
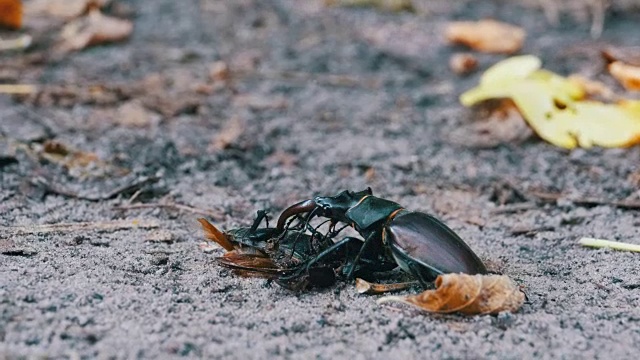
x,y
314,100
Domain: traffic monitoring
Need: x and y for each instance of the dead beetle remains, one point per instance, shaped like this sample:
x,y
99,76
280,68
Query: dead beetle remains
x,y
419,243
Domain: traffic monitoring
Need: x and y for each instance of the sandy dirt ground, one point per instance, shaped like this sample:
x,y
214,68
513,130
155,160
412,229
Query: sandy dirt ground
x,y
319,99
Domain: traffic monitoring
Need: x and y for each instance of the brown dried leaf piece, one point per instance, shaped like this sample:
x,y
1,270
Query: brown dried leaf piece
x,y
594,88
627,75
365,287
467,294
229,134
486,35
66,9
628,55
94,29
133,114
79,163
11,14
463,64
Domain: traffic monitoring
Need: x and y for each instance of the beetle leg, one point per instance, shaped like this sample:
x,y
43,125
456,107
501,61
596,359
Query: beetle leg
x,y
314,232
329,250
306,225
414,269
367,241
262,214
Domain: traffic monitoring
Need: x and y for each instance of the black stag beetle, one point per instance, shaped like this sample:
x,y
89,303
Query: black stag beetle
x,y
419,243
289,257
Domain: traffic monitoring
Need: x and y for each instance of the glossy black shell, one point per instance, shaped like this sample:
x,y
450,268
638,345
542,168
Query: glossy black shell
x,y
426,247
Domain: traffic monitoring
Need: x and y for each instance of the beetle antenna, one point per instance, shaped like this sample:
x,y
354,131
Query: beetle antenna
x,y
305,267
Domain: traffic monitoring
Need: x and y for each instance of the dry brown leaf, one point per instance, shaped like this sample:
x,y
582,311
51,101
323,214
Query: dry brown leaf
x,y
486,35
463,64
259,102
219,71
133,114
94,29
229,134
66,9
78,163
467,294
593,88
627,75
11,14
628,55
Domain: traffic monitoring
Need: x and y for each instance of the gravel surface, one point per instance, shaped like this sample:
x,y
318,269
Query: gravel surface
x,y
318,99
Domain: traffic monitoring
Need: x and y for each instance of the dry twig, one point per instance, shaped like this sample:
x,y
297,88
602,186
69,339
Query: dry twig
x,y
104,226
133,186
616,245
17,89
173,206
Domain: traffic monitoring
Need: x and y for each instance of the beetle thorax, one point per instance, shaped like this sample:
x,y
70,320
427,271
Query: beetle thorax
x,y
371,211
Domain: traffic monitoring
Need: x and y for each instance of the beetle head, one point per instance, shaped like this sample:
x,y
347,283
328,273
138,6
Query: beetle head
x,y
336,207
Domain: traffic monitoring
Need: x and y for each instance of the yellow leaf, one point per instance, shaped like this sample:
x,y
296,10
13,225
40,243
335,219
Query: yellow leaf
x,y
555,108
513,68
496,82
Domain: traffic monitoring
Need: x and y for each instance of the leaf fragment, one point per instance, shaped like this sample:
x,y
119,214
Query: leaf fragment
x,y
628,55
11,14
365,287
627,75
466,294
229,134
133,114
463,64
66,9
488,36
593,88
94,29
